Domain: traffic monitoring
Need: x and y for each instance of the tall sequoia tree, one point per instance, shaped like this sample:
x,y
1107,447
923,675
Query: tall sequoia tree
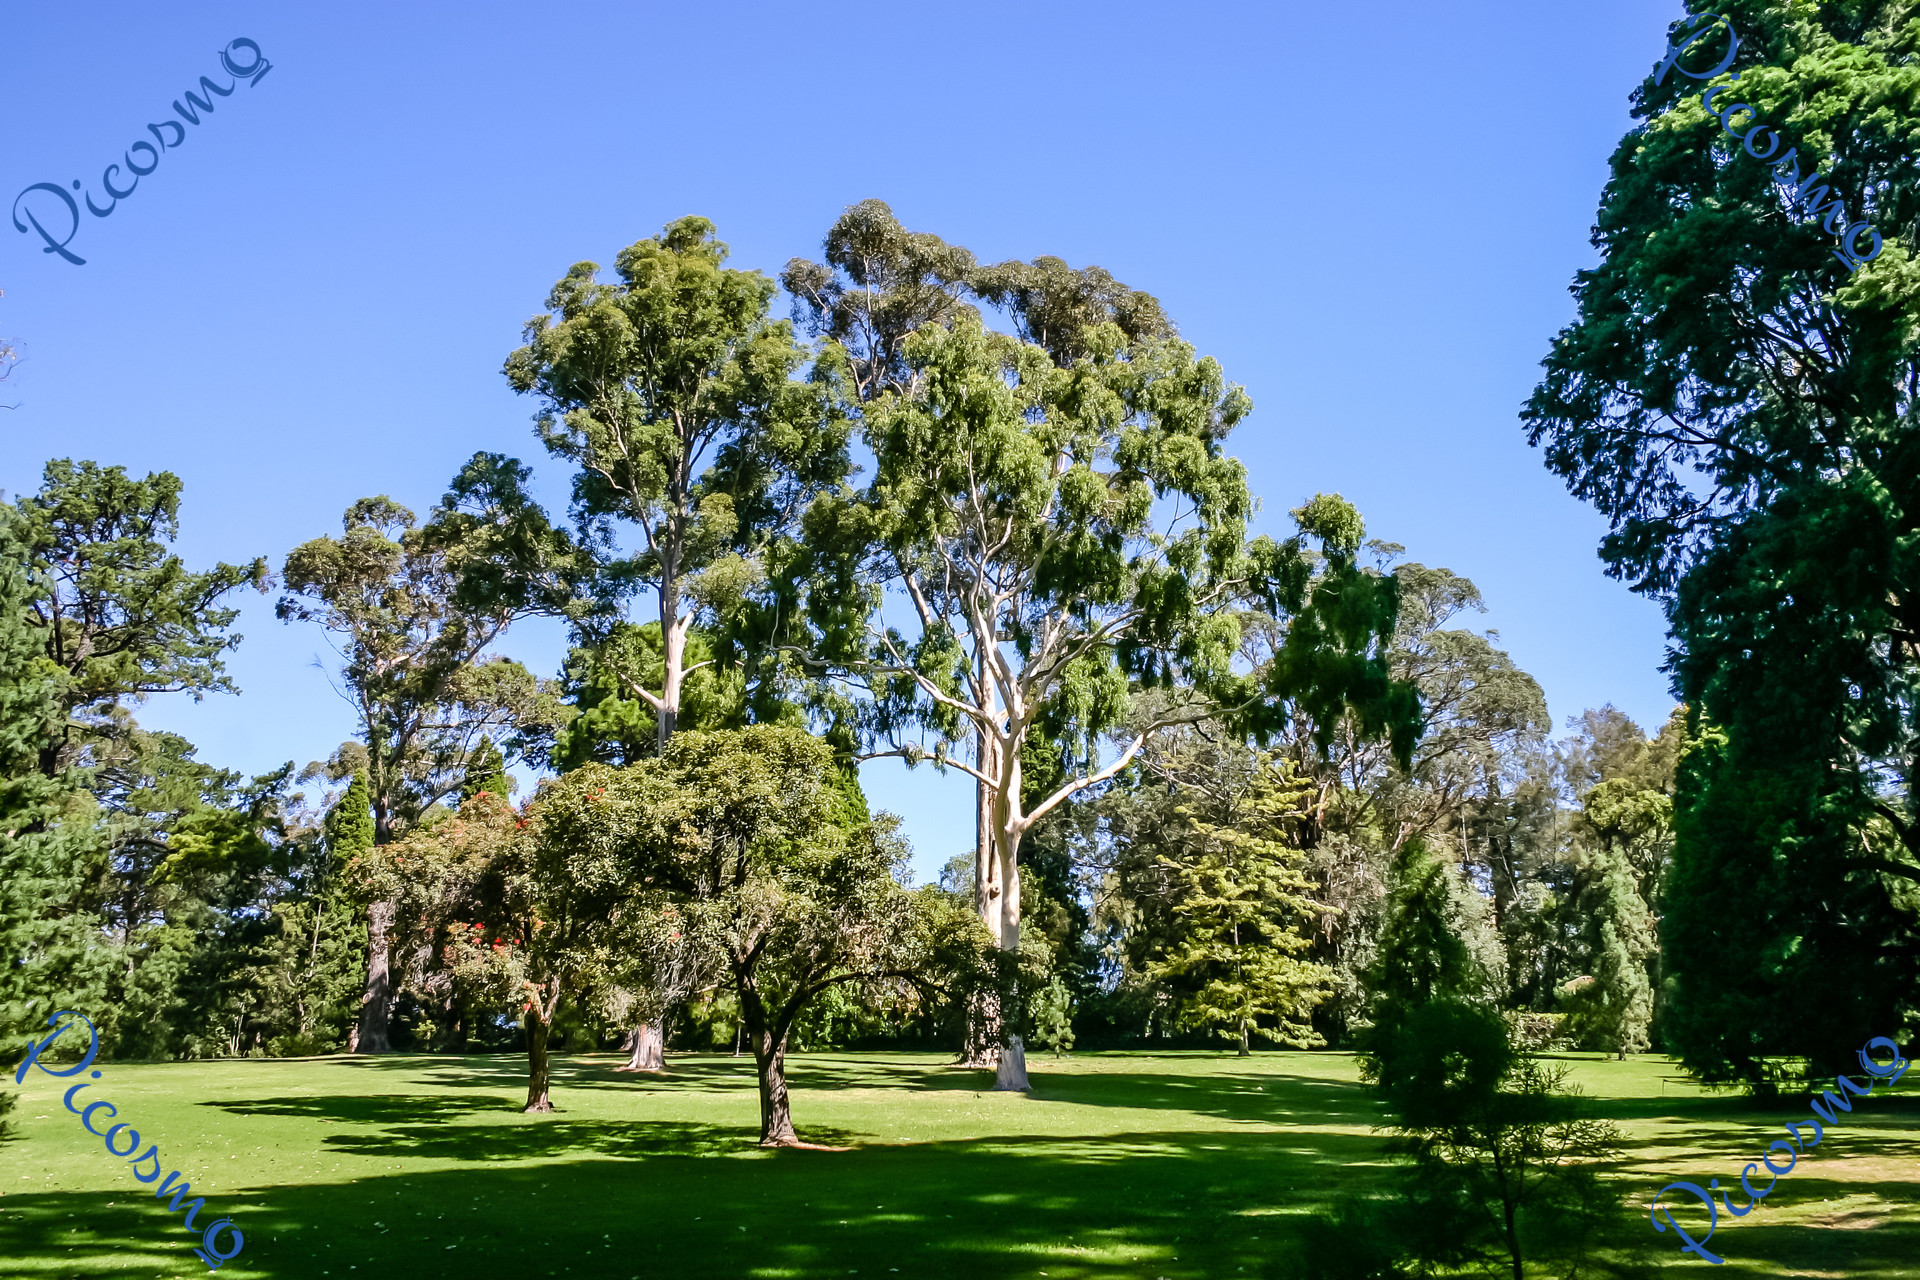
x,y
1058,533
412,609
1740,406
119,616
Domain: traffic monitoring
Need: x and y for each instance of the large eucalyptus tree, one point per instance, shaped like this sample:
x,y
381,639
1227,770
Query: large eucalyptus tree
x,y
1049,528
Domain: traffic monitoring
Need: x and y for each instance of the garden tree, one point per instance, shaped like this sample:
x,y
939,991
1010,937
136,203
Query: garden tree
x,y
317,959
1239,893
119,617
486,771
1611,1006
1739,406
612,727
1012,511
411,609
674,395
739,828
1433,949
545,908
881,282
47,928
192,858
1505,1164
1626,795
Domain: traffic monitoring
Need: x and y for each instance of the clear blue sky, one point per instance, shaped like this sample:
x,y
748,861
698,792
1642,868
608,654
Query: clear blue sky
x,y
1369,214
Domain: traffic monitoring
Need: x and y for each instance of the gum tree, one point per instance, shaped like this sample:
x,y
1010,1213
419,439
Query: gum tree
x,y
412,609
1043,534
672,393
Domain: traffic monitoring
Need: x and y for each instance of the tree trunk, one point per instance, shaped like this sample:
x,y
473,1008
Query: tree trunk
x,y
770,1064
1244,1051
1005,921
538,1063
673,653
649,1044
376,1002
1012,1077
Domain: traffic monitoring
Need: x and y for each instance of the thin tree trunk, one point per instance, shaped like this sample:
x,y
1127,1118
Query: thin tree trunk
x,y
538,1063
673,653
376,1002
1244,1051
980,1037
770,1065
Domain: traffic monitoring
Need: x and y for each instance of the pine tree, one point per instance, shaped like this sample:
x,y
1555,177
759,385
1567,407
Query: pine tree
x,y
1614,1007
48,937
1423,959
1241,898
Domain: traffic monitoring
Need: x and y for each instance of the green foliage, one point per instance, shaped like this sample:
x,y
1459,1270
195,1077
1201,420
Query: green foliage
x,y
1611,1006
413,609
486,771
1739,406
119,617
737,830
48,934
1423,958
1240,899
674,395
615,724
1504,1176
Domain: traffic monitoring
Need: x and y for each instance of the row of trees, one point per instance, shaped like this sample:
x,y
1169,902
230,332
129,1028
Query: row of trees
x,y
1205,761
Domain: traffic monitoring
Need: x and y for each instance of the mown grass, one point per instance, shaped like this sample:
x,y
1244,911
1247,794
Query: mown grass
x,y
1175,1165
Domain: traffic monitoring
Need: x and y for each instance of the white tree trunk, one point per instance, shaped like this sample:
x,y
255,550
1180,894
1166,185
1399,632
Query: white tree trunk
x,y
648,1042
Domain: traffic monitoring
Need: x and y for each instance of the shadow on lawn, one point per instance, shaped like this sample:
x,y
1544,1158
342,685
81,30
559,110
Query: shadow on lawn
x,y
1136,1205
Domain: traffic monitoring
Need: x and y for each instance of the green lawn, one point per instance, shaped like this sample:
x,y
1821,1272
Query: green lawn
x,y
1174,1165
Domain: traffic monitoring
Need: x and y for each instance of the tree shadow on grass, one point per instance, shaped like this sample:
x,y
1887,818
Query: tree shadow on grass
x,y
1134,1206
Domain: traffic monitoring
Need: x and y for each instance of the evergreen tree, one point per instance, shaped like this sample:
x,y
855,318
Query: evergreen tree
x,y
49,938
318,953
1739,405
1423,958
1611,1006
118,615
1240,894
487,771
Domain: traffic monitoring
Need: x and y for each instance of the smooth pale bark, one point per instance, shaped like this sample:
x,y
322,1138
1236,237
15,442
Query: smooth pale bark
x,y
673,651
1001,908
648,1043
376,1002
539,1065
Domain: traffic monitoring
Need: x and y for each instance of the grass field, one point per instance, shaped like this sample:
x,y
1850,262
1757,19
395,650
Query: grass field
x,y
1176,1165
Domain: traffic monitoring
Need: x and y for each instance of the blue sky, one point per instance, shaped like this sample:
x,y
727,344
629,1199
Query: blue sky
x,y
1369,214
